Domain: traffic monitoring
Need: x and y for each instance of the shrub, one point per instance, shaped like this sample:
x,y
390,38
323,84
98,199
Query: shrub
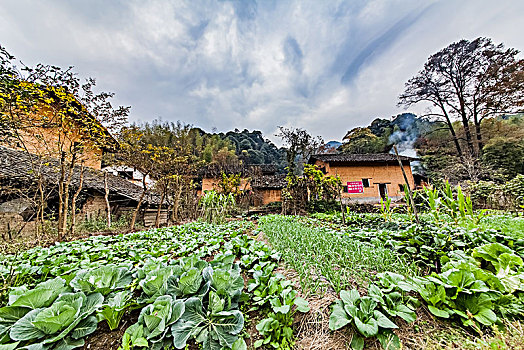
x,y
216,206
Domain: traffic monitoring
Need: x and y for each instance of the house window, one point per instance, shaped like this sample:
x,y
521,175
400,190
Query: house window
x,y
365,183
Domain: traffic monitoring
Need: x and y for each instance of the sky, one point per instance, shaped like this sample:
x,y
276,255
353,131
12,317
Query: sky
x,y
326,66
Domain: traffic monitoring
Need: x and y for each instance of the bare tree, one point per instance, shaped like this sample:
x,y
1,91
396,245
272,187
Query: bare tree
x,y
106,198
468,81
72,228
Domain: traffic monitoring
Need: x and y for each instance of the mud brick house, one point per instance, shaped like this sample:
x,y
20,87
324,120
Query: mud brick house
x,y
32,159
18,185
367,177
268,188
260,180
48,133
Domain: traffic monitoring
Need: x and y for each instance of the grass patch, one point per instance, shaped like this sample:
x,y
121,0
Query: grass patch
x,y
510,225
503,222
321,255
511,336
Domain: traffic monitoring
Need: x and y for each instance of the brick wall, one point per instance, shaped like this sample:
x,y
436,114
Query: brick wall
x,y
377,173
271,195
94,208
209,184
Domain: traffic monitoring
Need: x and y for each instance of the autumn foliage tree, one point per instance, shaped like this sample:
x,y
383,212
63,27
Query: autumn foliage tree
x,y
51,113
173,156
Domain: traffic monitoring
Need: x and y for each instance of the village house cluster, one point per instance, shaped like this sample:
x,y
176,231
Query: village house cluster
x,y
365,177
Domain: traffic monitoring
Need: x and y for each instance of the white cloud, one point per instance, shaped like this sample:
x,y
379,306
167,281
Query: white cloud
x,y
326,66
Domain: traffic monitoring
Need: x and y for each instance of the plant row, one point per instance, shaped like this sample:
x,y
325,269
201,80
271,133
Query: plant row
x,y
182,298
478,290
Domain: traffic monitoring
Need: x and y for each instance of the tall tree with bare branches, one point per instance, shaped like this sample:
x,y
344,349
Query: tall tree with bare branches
x,y
468,81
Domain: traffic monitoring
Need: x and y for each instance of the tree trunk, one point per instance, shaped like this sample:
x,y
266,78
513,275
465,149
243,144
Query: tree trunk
x,y
478,134
67,184
106,197
467,129
176,201
159,209
452,131
41,207
412,202
455,139
73,202
61,197
140,200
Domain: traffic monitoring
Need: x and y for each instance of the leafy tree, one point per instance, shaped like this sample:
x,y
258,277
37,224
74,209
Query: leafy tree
x,y
500,158
505,155
312,186
362,140
300,145
252,148
380,136
174,155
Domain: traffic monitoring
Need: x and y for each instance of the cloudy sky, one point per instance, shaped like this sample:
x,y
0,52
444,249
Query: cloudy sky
x,y
326,66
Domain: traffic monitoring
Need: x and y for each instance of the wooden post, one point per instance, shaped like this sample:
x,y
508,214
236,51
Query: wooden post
x,y
73,202
407,184
106,197
342,208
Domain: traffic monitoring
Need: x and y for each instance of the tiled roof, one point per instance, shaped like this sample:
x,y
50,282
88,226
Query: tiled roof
x,y
216,170
17,165
269,181
359,158
265,169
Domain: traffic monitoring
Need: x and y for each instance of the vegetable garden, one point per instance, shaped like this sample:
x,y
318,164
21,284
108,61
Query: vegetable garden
x,y
383,271
187,283
243,285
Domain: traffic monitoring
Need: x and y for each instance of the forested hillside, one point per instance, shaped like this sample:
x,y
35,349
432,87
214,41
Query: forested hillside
x,y
501,156
380,136
252,146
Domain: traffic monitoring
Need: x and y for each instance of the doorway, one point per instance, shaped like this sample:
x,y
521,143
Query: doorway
x,y
383,191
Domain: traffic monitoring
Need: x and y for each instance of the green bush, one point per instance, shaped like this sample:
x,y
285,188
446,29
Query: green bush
x,y
323,206
216,206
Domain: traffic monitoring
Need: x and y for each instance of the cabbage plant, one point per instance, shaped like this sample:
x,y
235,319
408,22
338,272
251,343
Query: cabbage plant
x,y
66,321
211,326
22,300
114,308
103,279
153,282
153,324
226,283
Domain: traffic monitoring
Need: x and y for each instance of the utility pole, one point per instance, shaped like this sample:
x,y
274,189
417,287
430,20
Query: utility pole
x,y
407,184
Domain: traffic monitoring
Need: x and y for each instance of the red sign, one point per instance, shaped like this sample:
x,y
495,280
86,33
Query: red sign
x,y
355,187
